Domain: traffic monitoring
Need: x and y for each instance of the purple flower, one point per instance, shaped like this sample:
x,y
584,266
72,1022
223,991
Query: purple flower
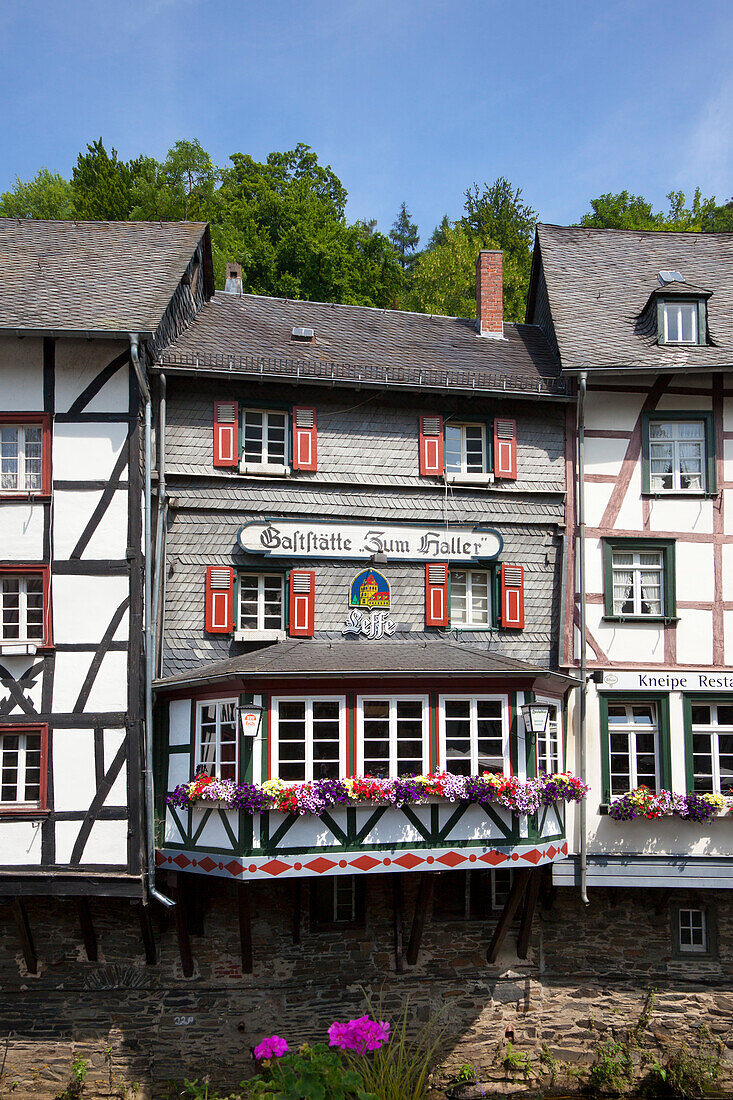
x,y
273,1047
360,1035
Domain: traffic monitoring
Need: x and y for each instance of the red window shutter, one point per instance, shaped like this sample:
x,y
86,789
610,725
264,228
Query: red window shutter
x,y
219,599
431,445
512,596
305,448
436,594
505,448
226,433
302,603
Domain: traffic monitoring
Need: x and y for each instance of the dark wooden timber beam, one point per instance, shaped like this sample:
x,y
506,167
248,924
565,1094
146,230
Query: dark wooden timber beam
x,y
297,909
88,934
397,915
516,894
245,926
530,902
423,903
184,942
24,934
148,935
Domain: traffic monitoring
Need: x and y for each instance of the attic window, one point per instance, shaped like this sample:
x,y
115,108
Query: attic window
x,y
680,321
303,335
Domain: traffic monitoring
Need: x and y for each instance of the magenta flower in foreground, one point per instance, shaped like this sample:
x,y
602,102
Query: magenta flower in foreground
x,y
274,1047
360,1035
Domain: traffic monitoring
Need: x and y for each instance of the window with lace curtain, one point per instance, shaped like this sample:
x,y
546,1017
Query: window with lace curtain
x,y
678,455
639,579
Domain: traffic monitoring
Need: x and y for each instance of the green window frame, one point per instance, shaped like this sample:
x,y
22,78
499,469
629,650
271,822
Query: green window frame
x,y
669,581
665,755
711,480
702,321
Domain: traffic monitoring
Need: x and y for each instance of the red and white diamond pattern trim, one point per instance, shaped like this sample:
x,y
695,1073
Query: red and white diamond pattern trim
x,y
313,866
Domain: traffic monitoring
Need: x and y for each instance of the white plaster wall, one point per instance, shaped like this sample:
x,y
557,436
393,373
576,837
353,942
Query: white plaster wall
x,y
20,842
618,411
74,783
21,531
728,414
728,511
685,402
677,514
86,452
604,456
83,607
695,579
107,842
21,373
113,739
593,565
631,517
728,628
596,500
179,721
695,638
78,362
626,641
727,460
728,571
72,512
109,691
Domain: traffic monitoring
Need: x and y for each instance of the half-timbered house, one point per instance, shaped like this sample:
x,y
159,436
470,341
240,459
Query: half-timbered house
x,y
83,306
644,322
361,576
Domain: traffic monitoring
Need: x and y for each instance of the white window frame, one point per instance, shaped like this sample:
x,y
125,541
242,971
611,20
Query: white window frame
x,y
20,780
674,305
464,476
712,729
473,700
218,703
7,643
392,700
469,624
675,440
629,728
260,632
264,466
636,568
692,948
22,488
309,700
556,705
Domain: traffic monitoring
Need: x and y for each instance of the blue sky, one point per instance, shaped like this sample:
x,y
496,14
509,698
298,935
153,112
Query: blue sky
x,y
406,99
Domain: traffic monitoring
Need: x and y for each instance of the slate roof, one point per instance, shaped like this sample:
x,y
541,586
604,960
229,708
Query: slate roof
x,y
106,278
367,658
600,280
251,335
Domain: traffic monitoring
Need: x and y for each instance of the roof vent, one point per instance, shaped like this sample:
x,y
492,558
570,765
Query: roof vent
x,y
304,334
233,284
670,277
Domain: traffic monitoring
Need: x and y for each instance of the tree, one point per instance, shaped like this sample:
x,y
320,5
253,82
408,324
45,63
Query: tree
x,y
719,219
181,188
439,234
626,211
405,238
444,279
48,195
102,184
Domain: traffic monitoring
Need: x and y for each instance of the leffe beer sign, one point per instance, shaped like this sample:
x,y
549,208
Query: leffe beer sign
x,y
296,539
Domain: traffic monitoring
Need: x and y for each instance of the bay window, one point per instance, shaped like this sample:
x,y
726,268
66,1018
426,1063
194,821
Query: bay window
x,y
392,736
549,744
217,738
308,738
474,734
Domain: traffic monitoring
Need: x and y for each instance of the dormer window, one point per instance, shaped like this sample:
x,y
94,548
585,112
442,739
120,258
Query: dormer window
x,y
680,322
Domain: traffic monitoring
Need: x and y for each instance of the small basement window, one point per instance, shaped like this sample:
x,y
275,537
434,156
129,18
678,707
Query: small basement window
x,y
693,931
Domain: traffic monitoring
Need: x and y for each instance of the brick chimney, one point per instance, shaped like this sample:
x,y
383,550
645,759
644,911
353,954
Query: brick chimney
x,y
233,284
490,293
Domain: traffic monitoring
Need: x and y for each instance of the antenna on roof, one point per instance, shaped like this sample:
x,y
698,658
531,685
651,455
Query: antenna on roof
x,y
670,277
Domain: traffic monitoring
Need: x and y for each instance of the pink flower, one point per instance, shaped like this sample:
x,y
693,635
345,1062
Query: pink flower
x,y
360,1035
274,1047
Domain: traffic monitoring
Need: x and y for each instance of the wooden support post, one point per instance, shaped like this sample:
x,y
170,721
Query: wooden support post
x,y
397,914
88,934
297,908
26,938
191,894
507,914
245,926
146,931
530,902
423,903
184,942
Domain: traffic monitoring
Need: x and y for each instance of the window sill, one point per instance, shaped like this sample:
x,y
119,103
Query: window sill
x,y
22,496
678,494
23,813
473,627
264,469
259,635
469,479
664,619
20,649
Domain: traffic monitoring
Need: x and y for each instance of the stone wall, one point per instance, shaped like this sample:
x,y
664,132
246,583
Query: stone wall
x,y
587,977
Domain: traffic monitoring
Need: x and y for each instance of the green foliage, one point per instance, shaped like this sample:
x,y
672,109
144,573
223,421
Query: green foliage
x,y
102,184
75,1087
626,211
47,195
518,1060
686,1073
405,238
613,1068
181,188
317,1072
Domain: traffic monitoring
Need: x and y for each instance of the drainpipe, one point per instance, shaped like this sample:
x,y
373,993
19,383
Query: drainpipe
x,y
159,525
149,872
583,702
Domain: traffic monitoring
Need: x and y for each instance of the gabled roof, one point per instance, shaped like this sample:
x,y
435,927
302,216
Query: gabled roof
x,y
600,280
252,335
306,658
101,278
